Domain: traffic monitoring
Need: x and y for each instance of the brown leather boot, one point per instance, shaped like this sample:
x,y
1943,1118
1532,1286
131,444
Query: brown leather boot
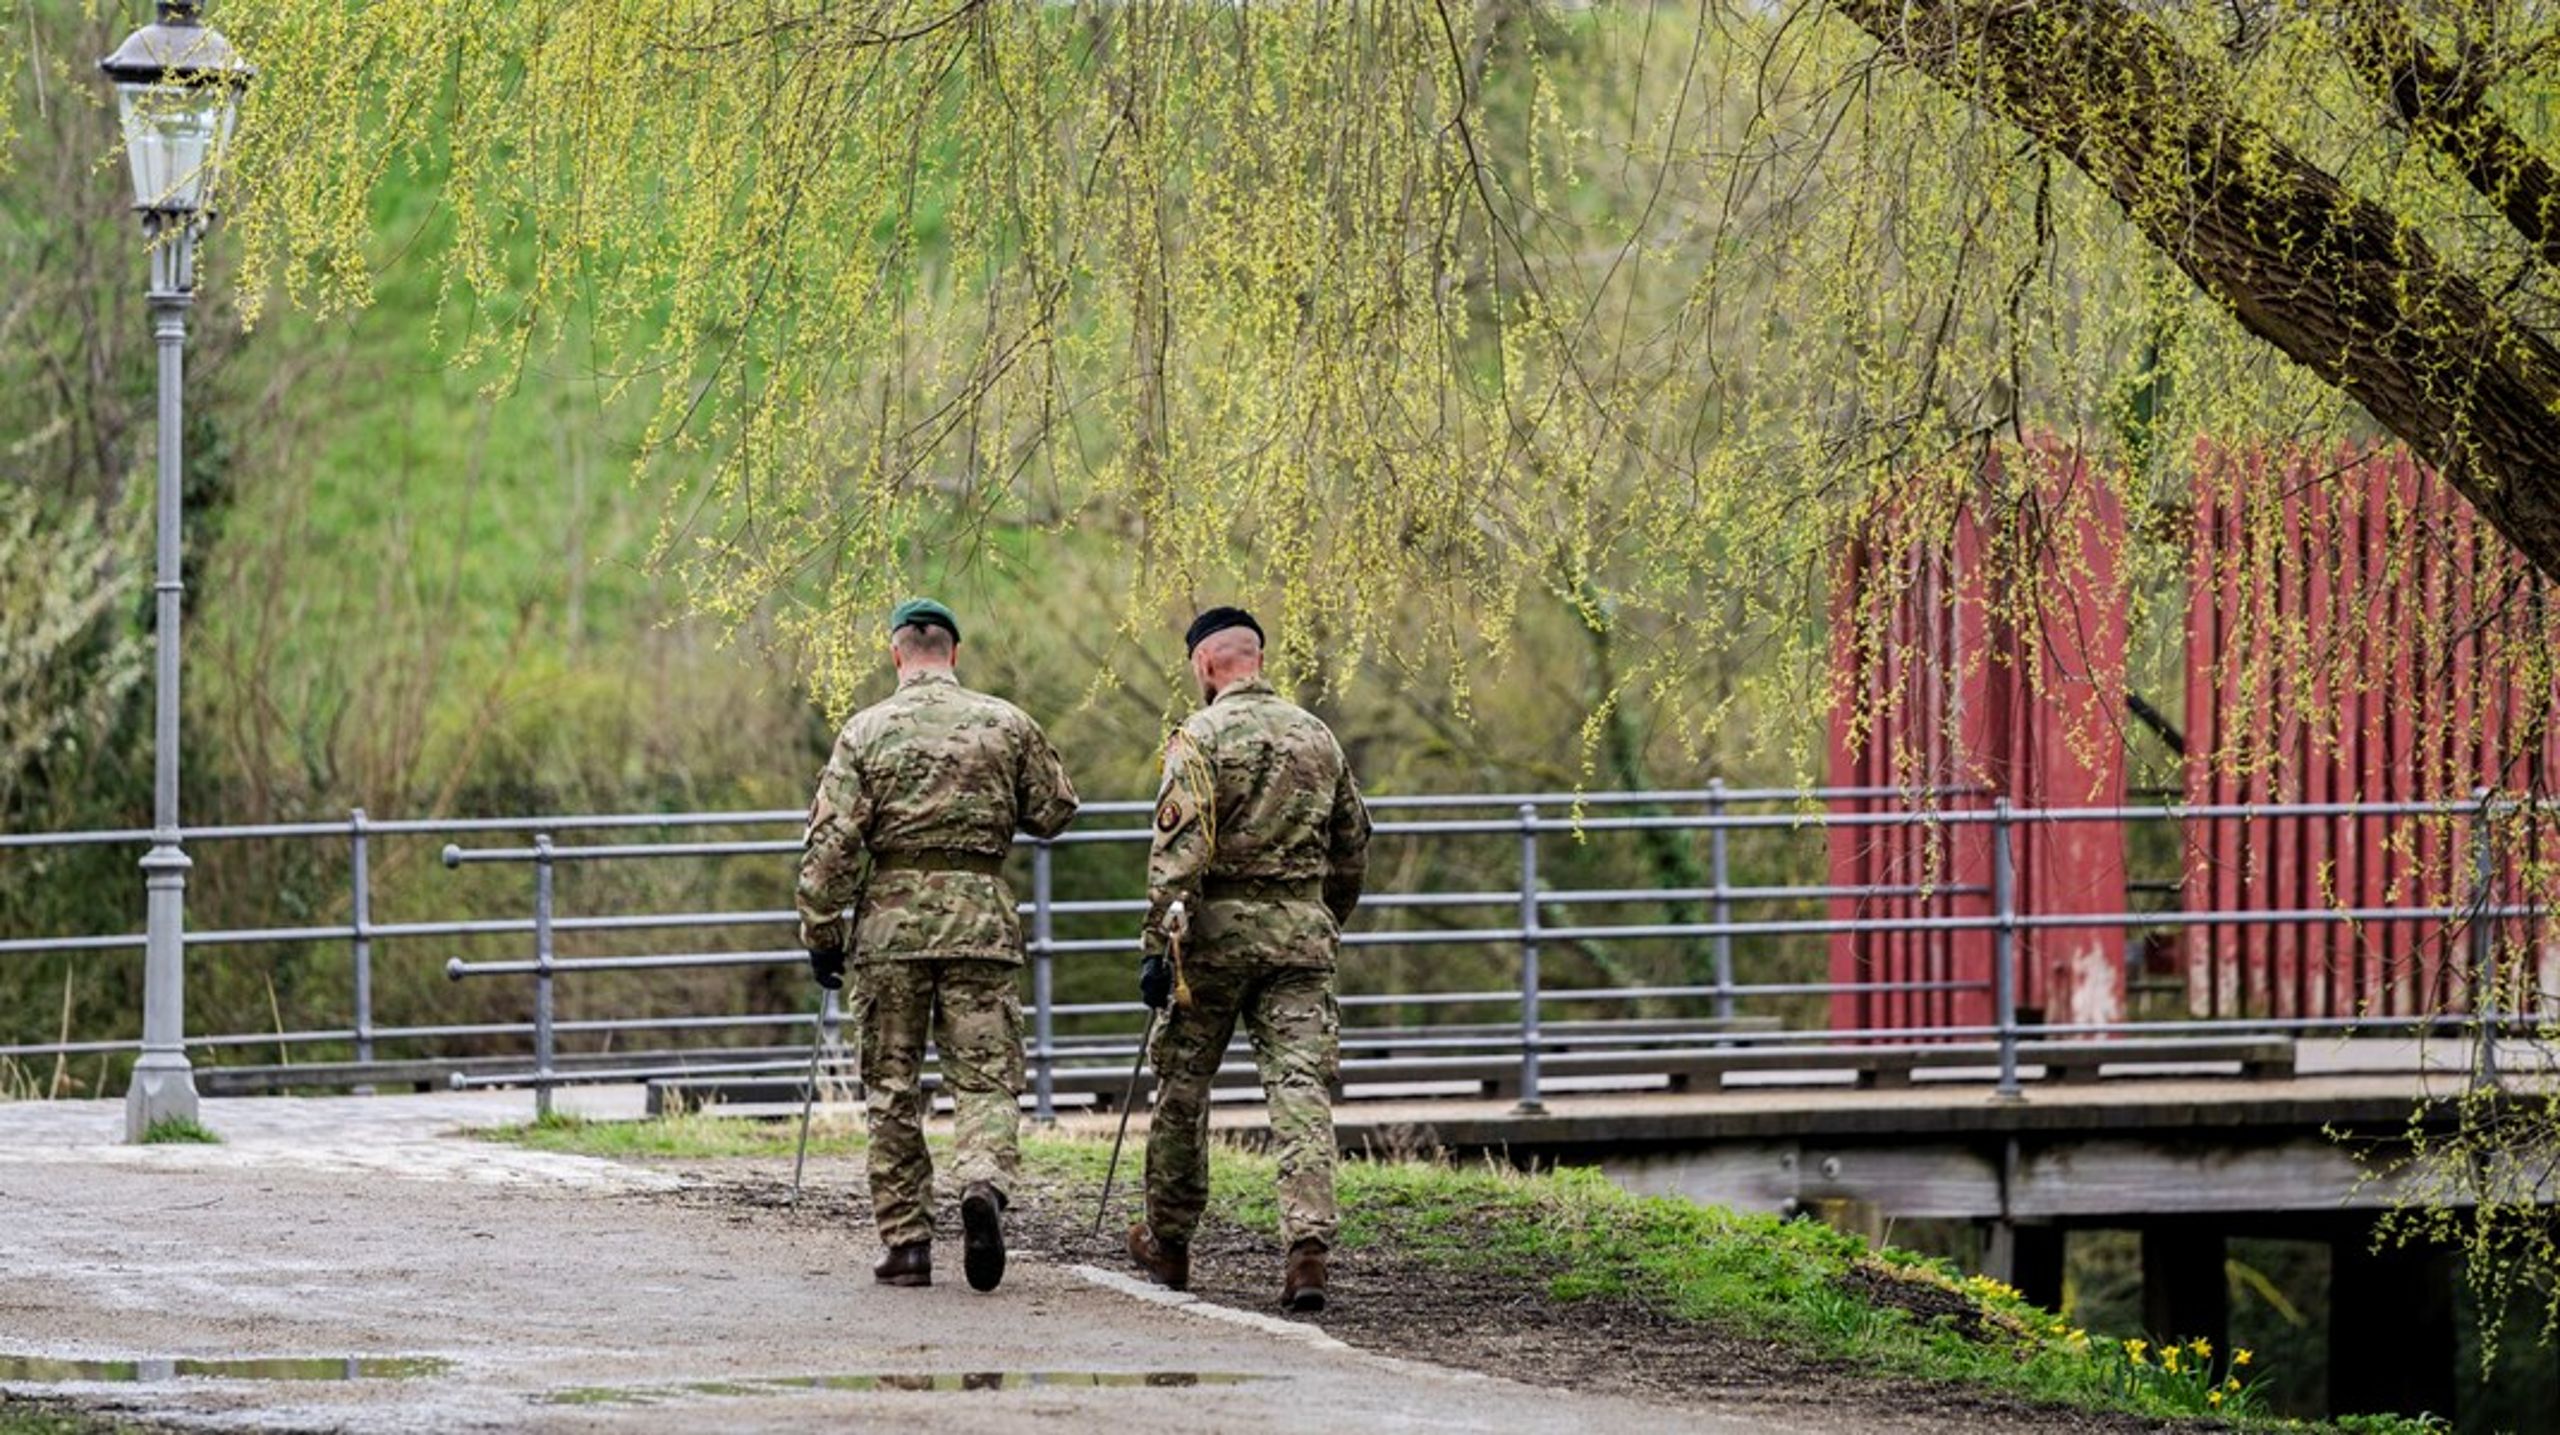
x,y
1167,1263
1302,1284
982,1235
907,1265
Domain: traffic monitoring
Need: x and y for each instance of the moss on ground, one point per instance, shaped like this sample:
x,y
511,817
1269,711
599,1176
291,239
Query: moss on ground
x,y
179,1131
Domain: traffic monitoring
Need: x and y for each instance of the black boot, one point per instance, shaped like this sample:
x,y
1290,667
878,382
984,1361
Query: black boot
x,y
982,1239
907,1265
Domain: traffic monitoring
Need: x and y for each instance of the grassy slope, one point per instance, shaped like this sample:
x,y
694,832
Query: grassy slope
x,y
1810,1287
17,1419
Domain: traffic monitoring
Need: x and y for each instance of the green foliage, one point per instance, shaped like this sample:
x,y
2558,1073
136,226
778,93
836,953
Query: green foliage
x,y
179,1131
2181,1377
1360,312
19,1416
2472,1173
691,1135
401,593
69,660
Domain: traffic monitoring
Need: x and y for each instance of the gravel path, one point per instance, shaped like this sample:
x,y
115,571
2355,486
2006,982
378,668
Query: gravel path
x,y
570,1293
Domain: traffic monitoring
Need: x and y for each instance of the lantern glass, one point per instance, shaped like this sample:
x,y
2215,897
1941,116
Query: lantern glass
x,y
174,136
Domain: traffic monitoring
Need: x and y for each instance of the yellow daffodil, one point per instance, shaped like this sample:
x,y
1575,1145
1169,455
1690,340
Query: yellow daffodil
x,y
2213,1398
2233,1385
2201,1346
2240,1356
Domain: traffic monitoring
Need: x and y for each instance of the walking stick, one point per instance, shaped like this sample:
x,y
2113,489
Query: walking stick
x,y
1127,1100
1177,923
819,1041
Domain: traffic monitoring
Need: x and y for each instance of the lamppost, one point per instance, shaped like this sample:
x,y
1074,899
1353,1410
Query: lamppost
x,y
178,88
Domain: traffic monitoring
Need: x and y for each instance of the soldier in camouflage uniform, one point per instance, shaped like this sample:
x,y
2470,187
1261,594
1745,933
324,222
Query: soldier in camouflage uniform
x,y
1261,835
909,829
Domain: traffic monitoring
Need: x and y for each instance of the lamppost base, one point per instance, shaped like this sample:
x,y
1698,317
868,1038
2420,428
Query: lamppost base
x,y
163,1089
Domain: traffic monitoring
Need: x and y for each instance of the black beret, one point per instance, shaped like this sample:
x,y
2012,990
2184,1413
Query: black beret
x,y
1217,620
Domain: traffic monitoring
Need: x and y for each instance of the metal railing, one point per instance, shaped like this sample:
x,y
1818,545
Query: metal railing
x,y
1529,819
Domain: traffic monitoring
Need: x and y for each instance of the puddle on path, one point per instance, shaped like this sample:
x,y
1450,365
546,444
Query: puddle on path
x,y
50,1370
972,1380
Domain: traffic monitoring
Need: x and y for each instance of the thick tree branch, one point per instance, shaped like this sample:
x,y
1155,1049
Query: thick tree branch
x,y
2446,107
2338,283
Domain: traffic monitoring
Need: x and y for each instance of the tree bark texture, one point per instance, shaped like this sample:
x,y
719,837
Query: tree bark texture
x,y
2445,105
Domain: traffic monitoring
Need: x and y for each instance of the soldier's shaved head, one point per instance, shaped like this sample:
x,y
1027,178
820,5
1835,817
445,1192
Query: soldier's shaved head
x,y
1227,656
922,645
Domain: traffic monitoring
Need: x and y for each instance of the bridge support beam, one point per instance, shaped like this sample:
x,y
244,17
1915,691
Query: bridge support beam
x,y
2391,1328
1863,1219
2185,1293
2026,1256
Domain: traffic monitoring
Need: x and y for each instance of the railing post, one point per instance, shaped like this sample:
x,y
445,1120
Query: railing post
x,y
2004,953
542,974
1720,868
360,878
2484,937
1044,1049
1529,1104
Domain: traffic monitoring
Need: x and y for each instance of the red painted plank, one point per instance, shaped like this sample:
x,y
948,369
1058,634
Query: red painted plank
x,y
2288,581
2407,886
1845,766
2261,534
2198,855
2321,752
2365,585
2075,749
1979,742
2461,750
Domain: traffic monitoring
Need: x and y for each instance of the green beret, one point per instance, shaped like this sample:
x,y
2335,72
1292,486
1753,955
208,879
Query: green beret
x,y
924,612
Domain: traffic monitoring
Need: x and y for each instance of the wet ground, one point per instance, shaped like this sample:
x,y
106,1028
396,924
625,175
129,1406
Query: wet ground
x,y
483,1287
1482,1321
564,1293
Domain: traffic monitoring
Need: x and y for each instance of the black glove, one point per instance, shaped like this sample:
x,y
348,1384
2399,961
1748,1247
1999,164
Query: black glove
x,y
828,967
1155,982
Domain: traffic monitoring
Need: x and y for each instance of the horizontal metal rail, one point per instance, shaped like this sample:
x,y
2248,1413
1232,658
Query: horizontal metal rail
x,y
1121,1046
1709,812
591,822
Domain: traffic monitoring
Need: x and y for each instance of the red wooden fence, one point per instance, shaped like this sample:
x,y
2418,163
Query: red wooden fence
x,y
1982,662
2346,620
2352,635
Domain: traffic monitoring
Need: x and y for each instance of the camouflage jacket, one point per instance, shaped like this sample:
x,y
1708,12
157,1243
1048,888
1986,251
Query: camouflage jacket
x,y
1260,830
913,817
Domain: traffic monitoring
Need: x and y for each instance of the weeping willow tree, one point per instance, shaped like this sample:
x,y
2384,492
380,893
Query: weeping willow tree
x,y
1335,305
1339,305
1396,316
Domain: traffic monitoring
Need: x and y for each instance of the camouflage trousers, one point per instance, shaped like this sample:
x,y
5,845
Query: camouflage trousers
x,y
1290,1016
979,1020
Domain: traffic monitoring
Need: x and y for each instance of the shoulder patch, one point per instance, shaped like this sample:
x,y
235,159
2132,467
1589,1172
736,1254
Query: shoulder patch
x,y
1190,788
